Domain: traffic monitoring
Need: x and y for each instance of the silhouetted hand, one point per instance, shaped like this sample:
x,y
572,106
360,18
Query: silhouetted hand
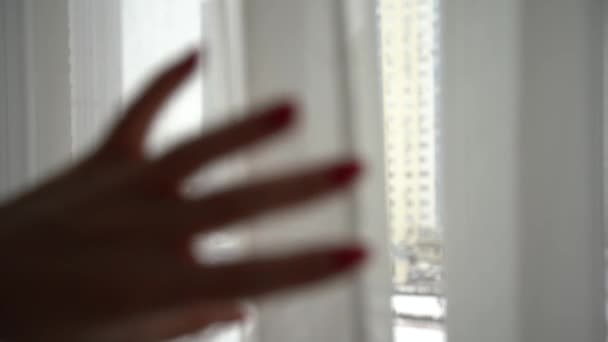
x,y
102,252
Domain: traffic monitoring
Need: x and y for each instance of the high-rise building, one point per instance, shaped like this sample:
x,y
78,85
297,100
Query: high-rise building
x,y
409,47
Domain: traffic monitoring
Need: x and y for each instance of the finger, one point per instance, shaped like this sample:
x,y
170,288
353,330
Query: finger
x,y
128,136
262,277
172,222
249,200
177,322
170,284
187,158
190,320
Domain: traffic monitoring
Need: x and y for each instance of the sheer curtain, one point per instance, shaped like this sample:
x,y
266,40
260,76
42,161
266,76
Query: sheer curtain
x,y
313,49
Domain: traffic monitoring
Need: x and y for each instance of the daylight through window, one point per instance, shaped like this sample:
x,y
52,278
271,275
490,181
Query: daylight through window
x,y
410,74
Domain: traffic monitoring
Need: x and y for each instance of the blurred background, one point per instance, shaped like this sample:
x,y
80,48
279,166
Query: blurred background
x,y
481,124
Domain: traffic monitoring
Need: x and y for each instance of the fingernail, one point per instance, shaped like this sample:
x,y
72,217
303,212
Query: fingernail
x,y
345,173
191,60
281,116
348,257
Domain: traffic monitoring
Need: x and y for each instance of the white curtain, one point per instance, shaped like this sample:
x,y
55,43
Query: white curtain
x,y
313,50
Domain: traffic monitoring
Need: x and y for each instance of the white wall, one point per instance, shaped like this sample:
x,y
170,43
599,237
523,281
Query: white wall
x,y
480,101
523,170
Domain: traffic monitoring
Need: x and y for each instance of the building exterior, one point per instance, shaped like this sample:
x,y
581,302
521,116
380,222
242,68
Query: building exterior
x,y
409,46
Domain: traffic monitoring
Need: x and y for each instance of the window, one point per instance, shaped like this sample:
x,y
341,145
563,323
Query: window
x,y
153,30
410,88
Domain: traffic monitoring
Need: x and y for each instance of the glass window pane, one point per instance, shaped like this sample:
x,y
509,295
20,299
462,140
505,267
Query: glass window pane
x,y
410,70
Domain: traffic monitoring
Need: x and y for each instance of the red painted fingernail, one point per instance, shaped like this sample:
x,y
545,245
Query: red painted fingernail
x,y
348,257
191,60
281,116
344,174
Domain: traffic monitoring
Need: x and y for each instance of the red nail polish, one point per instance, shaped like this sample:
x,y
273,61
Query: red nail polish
x,y
281,116
344,174
348,257
191,60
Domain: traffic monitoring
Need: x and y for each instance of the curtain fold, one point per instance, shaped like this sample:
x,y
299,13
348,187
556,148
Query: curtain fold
x,y
303,49
522,170
14,133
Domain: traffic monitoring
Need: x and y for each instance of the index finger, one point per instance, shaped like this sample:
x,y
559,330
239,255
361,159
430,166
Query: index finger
x,y
129,134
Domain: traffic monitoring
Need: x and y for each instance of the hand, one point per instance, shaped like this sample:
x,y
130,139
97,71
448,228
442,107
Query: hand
x,y
102,252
